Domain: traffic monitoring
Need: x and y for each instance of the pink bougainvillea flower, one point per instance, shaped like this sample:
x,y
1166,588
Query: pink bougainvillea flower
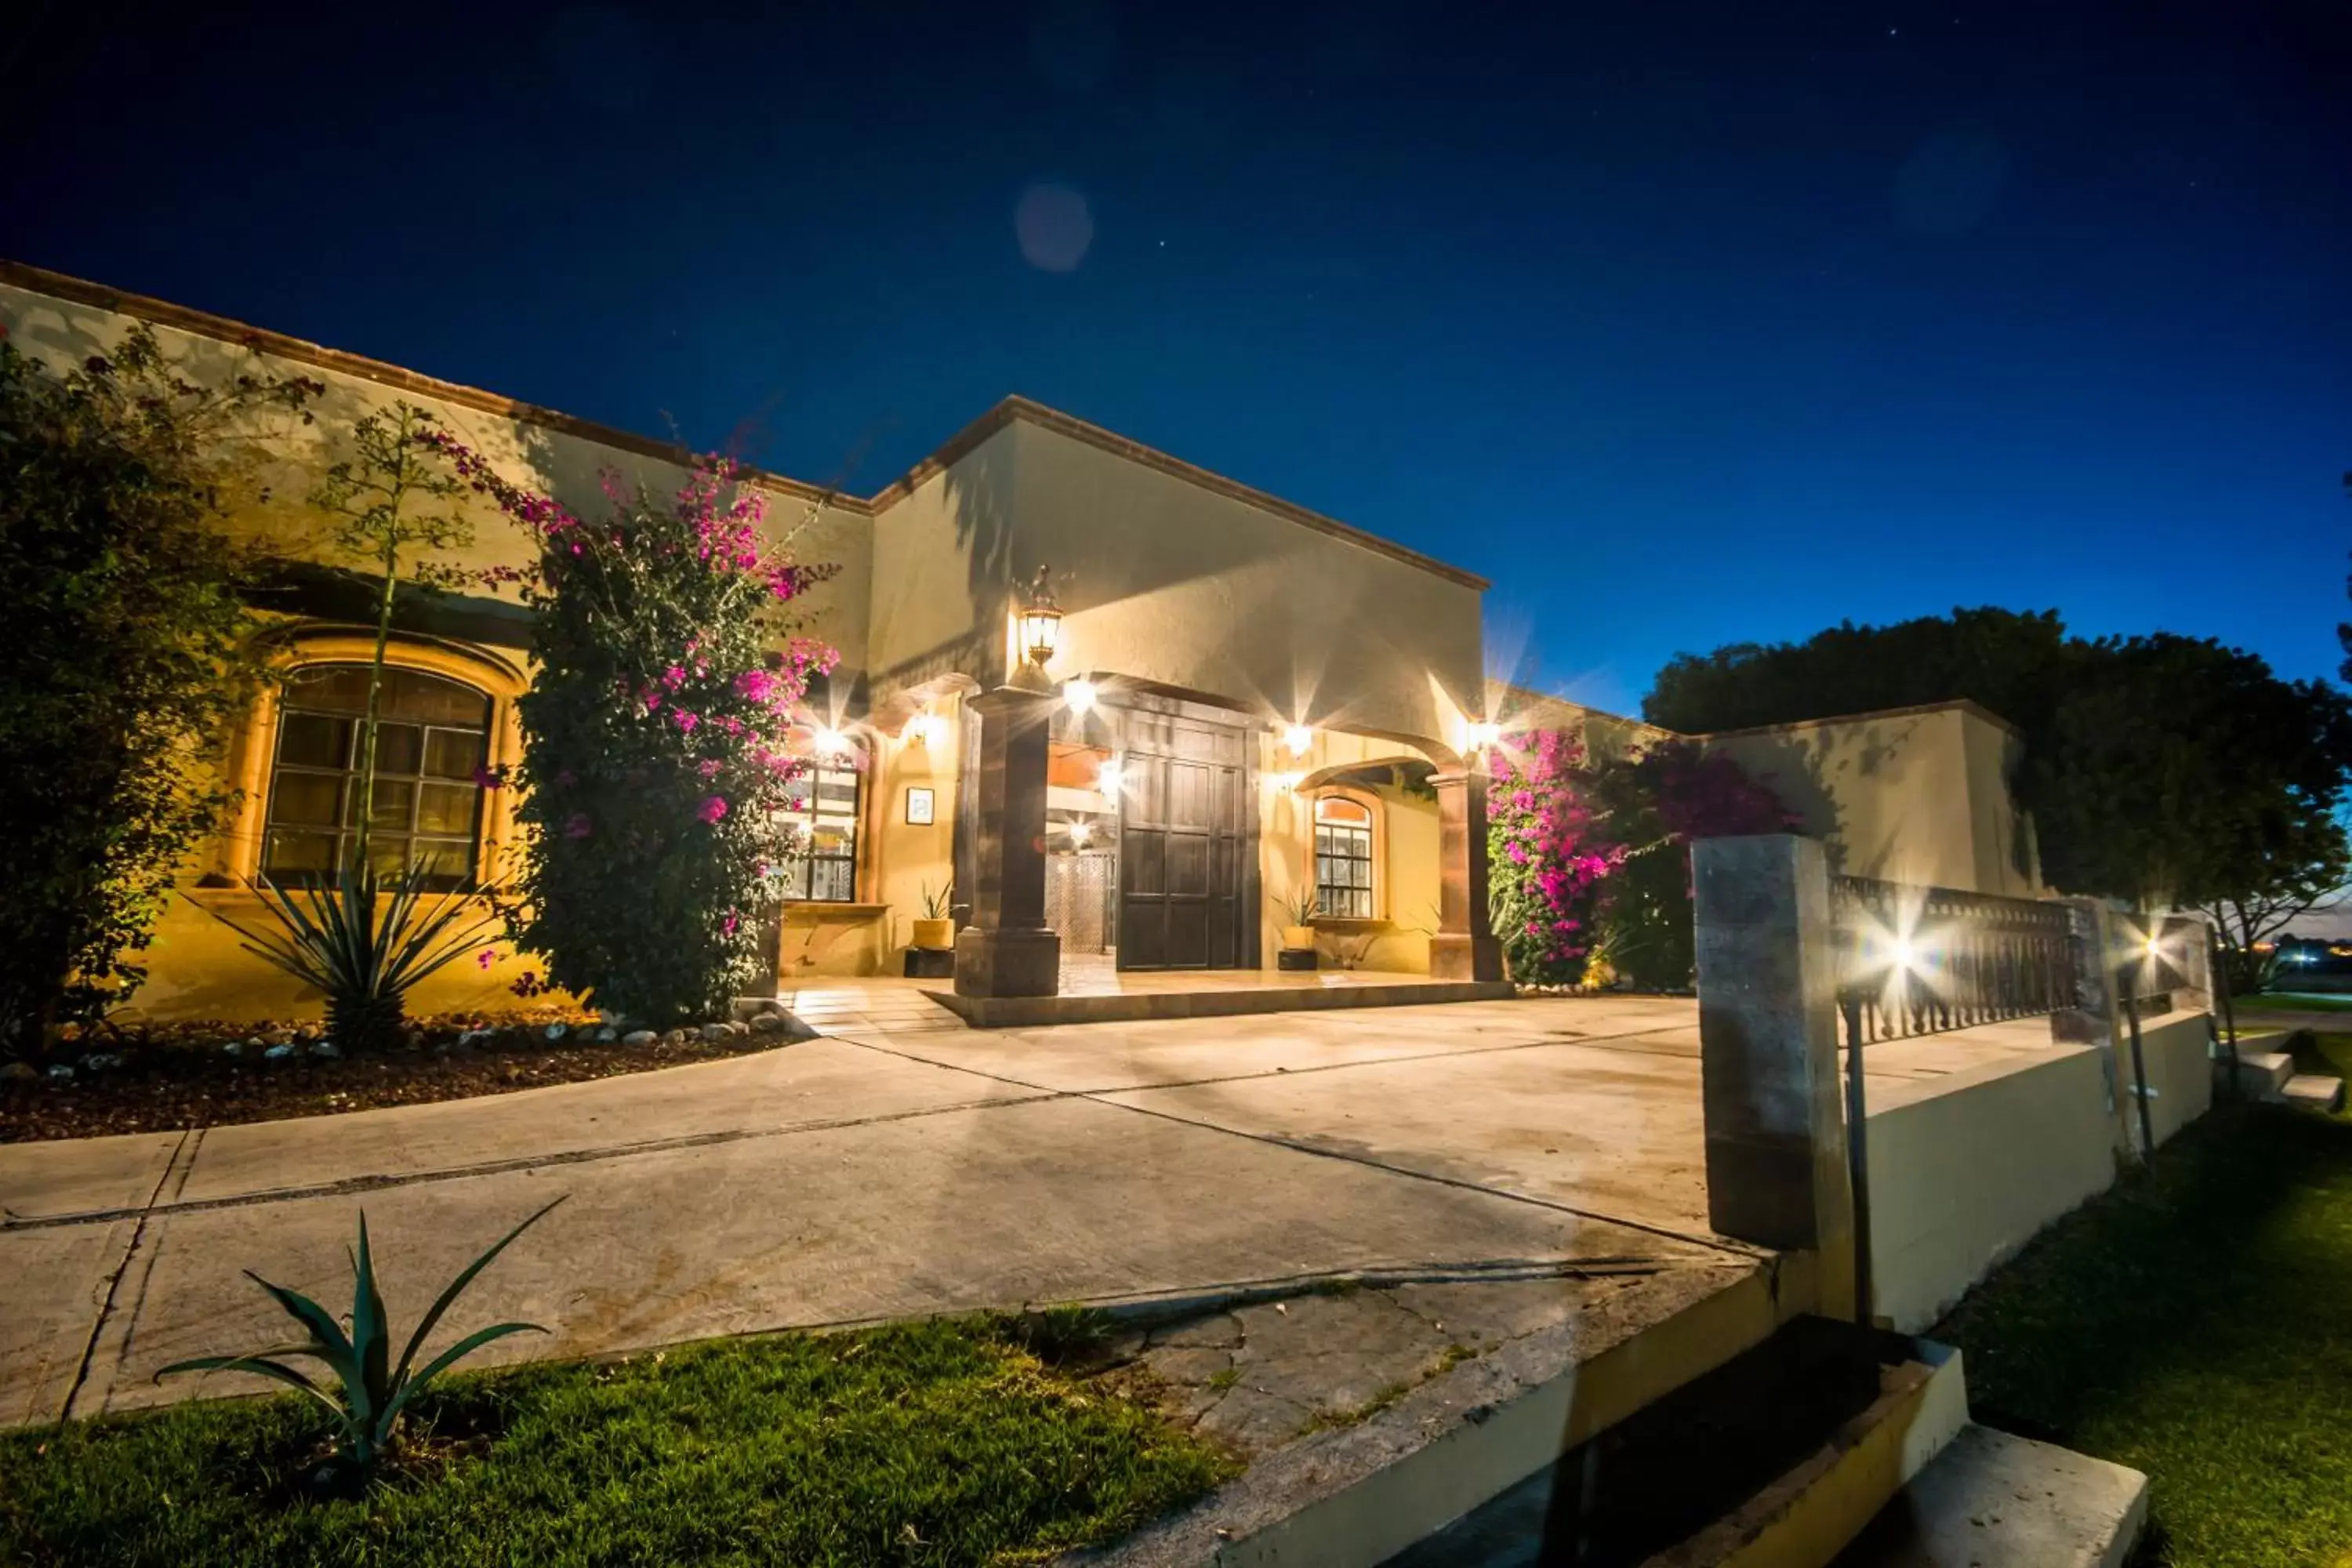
x,y
708,767
579,827
713,808
683,720
486,957
489,778
731,922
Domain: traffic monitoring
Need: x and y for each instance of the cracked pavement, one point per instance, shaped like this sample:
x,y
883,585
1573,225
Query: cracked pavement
x,y
1485,1165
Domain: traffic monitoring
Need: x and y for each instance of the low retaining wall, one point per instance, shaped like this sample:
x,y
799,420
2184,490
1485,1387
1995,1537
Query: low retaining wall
x,y
1966,1168
2178,1051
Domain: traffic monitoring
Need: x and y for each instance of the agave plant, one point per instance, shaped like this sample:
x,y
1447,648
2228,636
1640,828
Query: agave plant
x,y
364,942
370,1391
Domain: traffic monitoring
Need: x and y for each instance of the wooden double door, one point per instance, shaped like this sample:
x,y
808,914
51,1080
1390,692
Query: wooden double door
x,y
1187,843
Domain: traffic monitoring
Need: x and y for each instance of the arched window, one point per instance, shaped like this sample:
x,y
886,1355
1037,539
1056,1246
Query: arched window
x,y
1343,857
432,738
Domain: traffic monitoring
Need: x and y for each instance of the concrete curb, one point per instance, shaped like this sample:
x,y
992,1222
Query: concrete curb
x,y
1354,1497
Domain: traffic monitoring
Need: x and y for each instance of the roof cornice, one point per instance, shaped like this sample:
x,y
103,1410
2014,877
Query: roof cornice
x,y
202,323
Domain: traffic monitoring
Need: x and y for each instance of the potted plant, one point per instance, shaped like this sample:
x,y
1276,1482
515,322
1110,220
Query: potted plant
x,y
936,931
1297,915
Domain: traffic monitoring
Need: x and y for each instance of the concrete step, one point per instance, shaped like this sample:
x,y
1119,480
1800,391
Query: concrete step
x,y
2314,1092
1993,1499
2260,1074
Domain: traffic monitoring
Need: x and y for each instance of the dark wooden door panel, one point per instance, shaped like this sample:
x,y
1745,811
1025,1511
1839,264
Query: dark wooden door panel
x,y
1186,845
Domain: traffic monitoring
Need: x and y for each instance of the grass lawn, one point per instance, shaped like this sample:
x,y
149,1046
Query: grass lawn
x,y
938,1443
2291,1002
2196,1323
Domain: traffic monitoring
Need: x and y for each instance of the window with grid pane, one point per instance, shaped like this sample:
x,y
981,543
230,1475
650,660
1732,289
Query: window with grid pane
x,y
823,804
1343,857
432,735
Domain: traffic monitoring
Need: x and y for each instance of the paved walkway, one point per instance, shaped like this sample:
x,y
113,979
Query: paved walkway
x,y
906,1165
903,1165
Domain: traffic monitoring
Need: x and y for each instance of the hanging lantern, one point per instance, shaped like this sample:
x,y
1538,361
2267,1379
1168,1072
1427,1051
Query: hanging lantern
x,y
1041,621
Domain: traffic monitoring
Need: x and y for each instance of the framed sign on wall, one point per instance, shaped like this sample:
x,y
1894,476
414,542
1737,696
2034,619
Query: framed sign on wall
x,y
919,806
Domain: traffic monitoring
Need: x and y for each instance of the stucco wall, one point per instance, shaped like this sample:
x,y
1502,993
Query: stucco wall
x,y
1917,795
1966,1168
2178,1052
562,464
1172,582
1970,1169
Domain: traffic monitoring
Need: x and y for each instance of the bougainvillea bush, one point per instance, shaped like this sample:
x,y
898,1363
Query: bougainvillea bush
x,y
1589,860
1650,807
1545,859
657,762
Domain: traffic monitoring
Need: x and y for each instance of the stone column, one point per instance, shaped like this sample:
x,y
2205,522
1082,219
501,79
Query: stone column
x,y
1008,950
1464,947
2096,1017
1768,1024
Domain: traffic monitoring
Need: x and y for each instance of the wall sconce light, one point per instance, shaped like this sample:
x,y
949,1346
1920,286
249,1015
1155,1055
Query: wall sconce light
x,y
926,730
1109,777
1482,735
829,741
1080,695
1299,739
1079,833
1041,620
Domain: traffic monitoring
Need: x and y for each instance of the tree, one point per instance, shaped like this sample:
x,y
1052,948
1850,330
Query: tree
x,y
127,654
392,496
2308,879
365,934
2344,628
2159,769
658,768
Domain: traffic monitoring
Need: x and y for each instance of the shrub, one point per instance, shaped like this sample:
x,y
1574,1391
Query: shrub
x,y
1545,859
370,1391
656,760
126,654
1650,807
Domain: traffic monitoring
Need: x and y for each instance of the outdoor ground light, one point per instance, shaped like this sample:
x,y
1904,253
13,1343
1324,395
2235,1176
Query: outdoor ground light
x,y
1079,694
1041,621
1298,738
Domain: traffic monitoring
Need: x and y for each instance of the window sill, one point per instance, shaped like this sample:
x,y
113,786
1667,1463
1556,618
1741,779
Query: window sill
x,y
820,907
1350,922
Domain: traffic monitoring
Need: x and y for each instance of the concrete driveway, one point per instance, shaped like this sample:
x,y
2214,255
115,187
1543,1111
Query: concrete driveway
x,y
904,1167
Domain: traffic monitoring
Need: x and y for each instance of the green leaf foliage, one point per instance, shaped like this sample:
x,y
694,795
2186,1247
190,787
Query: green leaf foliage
x,y
368,1392
126,659
664,735
923,1444
2158,769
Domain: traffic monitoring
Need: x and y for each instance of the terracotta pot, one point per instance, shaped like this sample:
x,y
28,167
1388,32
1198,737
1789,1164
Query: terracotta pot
x,y
1298,939
936,935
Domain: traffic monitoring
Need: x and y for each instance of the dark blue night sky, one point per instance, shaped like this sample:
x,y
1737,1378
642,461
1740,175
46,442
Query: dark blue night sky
x,y
1685,323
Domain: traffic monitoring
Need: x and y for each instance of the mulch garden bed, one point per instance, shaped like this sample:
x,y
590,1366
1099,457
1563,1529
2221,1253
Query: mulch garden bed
x,y
166,1076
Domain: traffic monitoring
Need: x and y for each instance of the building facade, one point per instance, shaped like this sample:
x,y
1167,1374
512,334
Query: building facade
x,y
1247,706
